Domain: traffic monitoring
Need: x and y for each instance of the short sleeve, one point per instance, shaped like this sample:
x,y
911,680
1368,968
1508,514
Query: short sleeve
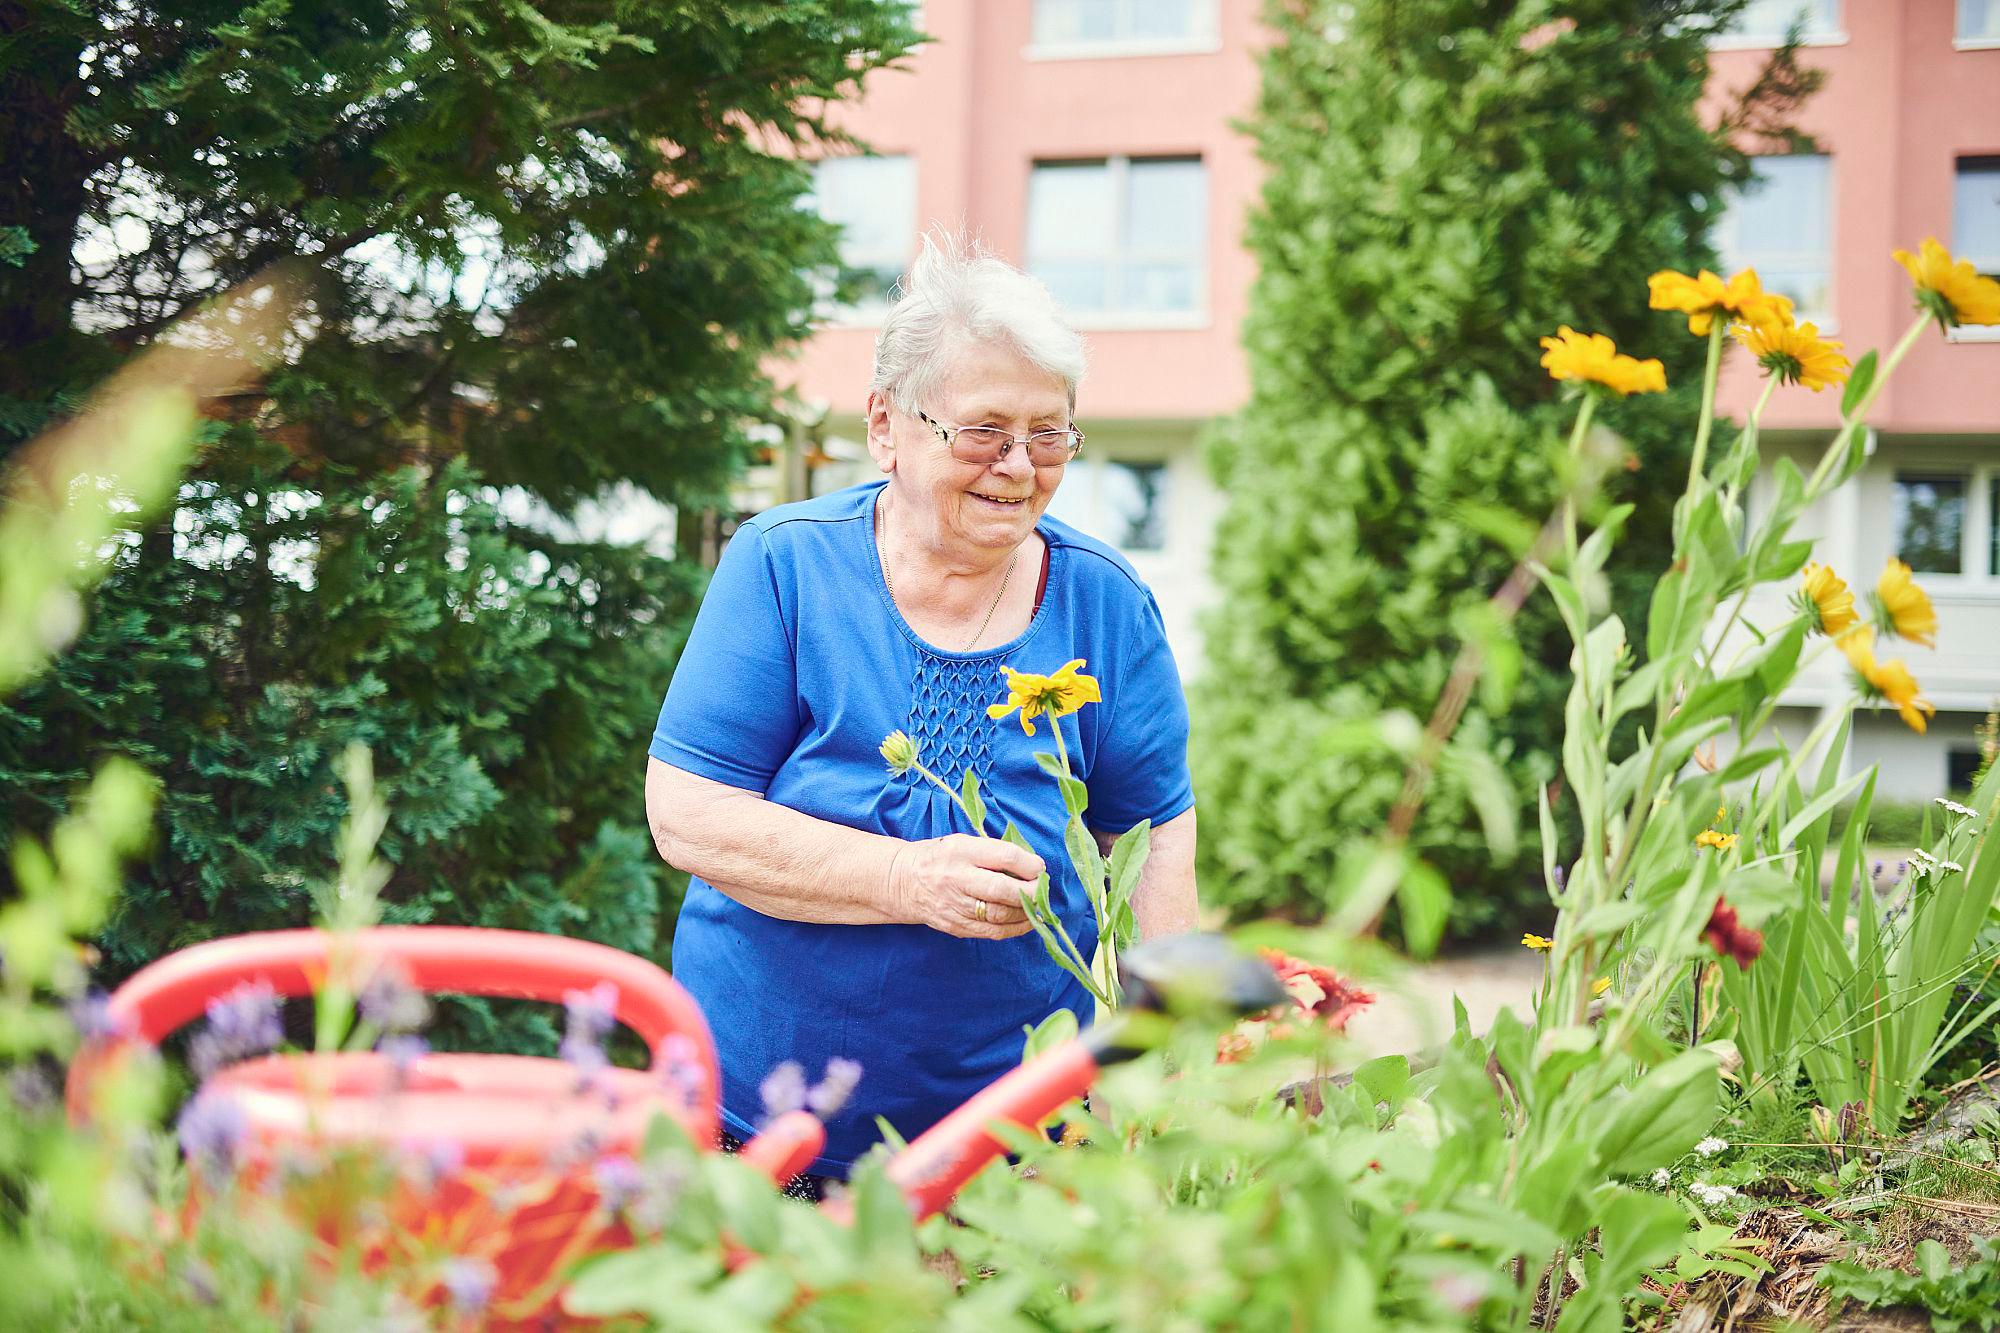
x,y
732,711
1140,770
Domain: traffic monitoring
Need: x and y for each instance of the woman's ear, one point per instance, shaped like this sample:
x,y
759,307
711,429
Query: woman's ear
x,y
881,440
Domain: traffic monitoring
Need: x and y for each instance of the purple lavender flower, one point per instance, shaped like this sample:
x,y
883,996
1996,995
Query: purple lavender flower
x,y
1877,872
783,1090
618,1180
681,1071
90,1014
212,1130
402,1051
834,1087
662,1182
592,1012
391,1003
241,1024
470,1283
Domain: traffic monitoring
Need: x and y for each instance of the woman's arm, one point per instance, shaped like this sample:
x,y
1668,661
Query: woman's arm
x,y
786,864
1165,902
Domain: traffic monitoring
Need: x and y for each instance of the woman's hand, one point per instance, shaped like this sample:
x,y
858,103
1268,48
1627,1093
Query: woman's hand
x,y
964,886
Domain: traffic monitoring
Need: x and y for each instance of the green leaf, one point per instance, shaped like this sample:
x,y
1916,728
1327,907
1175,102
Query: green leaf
x,y
1384,1078
1660,1120
1051,1032
1128,859
1425,900
1858,381
973,803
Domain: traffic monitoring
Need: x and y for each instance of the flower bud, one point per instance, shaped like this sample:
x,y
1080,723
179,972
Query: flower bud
x,y
899,752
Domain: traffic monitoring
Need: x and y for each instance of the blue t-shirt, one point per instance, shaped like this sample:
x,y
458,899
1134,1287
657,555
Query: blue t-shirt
x,y
798,666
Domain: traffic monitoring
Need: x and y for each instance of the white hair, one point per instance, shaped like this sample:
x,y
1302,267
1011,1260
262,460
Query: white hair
x,y
956,292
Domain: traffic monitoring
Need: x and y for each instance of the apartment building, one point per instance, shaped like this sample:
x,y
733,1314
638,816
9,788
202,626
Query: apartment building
x,y
1093,141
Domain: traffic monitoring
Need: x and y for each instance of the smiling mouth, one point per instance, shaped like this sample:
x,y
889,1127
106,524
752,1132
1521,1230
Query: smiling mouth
x,y
1006,501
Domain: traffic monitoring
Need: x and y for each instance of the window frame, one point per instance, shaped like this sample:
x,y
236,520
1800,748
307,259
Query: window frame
x,y
1827,320
870,312
1987,264
1765,40
1979,541
1960,42
1118,167
1205,40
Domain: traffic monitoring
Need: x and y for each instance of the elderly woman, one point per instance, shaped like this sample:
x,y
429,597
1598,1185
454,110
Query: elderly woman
x,y
839,913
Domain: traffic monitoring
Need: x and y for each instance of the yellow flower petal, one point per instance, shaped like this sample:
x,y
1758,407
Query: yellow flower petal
x,y
1594,359
1828,600
1704,296
1889,681
1952,290
1906,608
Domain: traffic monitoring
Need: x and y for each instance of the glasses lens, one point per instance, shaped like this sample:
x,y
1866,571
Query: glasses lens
x,y
1051,447
979,444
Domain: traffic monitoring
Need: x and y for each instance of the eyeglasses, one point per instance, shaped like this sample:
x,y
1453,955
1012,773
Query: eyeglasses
x,y
989,444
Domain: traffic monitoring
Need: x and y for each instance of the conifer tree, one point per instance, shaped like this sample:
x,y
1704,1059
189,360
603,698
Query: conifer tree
x,y
1447,181
554,243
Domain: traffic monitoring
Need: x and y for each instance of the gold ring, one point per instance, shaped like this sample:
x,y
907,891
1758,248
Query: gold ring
x,y
979,910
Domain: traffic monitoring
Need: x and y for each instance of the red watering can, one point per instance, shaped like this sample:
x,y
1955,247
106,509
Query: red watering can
x,y
521,1129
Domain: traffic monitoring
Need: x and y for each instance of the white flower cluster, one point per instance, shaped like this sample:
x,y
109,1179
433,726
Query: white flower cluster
x,y
1710,1146
1953,807
1923,863
1712,1196
1661,1179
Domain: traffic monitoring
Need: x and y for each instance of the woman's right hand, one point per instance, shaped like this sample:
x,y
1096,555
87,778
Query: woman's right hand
x,y
964,886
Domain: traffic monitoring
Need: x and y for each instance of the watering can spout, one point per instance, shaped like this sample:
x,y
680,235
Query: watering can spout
x,y
1200,976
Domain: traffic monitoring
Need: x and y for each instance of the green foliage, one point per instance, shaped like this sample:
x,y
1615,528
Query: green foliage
x,y
1956,1296
1440,194
551,246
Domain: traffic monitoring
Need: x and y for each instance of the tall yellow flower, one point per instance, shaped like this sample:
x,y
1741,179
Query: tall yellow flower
x,y
1829,601
1795,353
1703,297
1904,609
1539,943
1889,680
1951,289
1063,692
1595,359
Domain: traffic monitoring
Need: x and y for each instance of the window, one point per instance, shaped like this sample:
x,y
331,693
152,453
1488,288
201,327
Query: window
x,y
1781,224
1978,23
1148,25
874,200
1121,235
1961,766
1133,497
1122,500
1993,526
1930,522
1768,22
1975,213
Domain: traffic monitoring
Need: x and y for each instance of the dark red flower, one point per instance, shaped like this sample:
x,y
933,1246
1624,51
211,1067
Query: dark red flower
x,y
1731,938
1319,992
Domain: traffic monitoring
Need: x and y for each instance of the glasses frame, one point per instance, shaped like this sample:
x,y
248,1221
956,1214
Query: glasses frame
x,y
948,437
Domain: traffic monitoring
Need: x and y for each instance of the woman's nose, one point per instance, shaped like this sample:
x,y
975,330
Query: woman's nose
x,y
1015,463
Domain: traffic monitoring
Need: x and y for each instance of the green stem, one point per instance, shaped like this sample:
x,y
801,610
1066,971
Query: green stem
x,y
957,798
1706,425
1576,435
1858,417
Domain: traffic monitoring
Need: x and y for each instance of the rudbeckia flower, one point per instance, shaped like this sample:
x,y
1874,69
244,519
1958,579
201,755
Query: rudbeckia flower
x,y
1539,943
1595,359
1951,289
1826,599
1889,680
1063,692
1795,353
1703,297
1906,609
1708,837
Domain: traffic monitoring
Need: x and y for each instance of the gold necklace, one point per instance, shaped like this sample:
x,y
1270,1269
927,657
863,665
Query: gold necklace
x,y
882,554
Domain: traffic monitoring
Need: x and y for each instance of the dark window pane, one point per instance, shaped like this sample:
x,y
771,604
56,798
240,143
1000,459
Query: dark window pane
x,y
1930,522
1135,504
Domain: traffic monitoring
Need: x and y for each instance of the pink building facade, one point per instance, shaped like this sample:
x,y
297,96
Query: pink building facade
x,y
1094,142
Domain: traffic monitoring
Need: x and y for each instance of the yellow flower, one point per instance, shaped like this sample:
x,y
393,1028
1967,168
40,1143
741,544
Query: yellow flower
x,y
1951,290
1601,985
1538,942
898,751
1721,813
1708,837
1795,353
1889,680
1594,358
1826,599
1705,296
1064,692
1905,609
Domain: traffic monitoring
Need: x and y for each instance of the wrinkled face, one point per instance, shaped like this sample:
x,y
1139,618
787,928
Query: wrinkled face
x,y
972,507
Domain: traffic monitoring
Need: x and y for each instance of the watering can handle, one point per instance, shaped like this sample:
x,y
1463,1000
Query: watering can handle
x,y
174,991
